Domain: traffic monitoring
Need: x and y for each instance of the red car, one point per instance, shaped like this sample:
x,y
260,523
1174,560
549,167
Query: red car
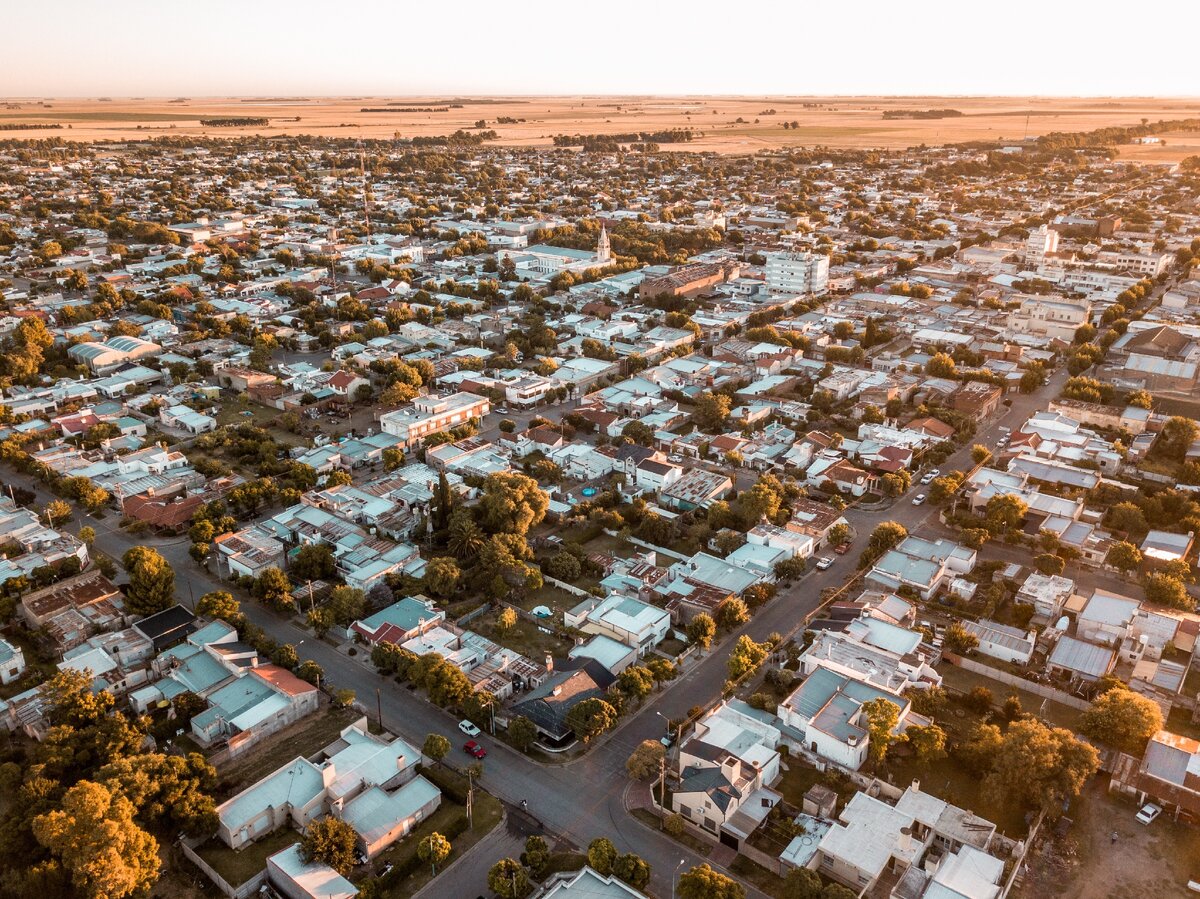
x,y
842,548
472,748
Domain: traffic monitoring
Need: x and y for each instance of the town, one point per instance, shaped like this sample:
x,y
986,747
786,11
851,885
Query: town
x,y
443,518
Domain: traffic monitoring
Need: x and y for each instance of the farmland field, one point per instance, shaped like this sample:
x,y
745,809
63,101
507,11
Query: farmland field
x,y
725,124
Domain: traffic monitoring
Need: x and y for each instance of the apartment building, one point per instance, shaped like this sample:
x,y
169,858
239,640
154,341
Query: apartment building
x,y
431,415
797,273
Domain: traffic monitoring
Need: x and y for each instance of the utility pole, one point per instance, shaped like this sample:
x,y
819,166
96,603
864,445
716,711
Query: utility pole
x,y
470,798
662,779
379,708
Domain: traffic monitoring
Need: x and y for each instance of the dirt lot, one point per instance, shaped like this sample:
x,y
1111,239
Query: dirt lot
x,y
1155,861
838,122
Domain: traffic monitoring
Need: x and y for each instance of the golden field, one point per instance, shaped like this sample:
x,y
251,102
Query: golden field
x,y
821,121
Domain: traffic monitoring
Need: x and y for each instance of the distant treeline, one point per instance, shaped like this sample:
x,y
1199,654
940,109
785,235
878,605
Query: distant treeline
x,y
1113,135
18,126
459,138
235,122
614,141
405,109
274,100
439,109
921,113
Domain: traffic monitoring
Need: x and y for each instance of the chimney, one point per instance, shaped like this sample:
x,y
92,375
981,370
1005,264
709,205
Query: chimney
x,y
904,840
916,785
549,662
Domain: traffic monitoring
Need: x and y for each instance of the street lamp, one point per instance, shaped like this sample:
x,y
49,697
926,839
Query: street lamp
x,y
675,875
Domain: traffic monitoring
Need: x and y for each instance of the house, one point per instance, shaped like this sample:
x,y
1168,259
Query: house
x,y
1001,641
814,519
1047,593
587,884
632,622
1080,660
565,687
12,662
1168,773
921,847
695,488
921,565
295,878
184,418
432,414
400,622
370,782
1106,617
257,703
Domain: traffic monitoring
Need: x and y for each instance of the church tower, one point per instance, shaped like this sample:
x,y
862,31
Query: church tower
x,y
603,250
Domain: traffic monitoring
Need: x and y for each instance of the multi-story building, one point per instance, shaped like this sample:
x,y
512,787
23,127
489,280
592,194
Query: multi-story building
x,y
796,272
432,415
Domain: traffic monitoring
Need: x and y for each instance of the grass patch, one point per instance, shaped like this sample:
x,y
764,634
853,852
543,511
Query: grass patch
x,y
1055,713
525,637
239,865
306,738
558,599
799,778
754,873
697,845
672,647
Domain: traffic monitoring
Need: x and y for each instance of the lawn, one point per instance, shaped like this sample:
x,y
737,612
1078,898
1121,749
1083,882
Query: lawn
x,y
558,599
525,637
948,780
239,865
959,679
799,778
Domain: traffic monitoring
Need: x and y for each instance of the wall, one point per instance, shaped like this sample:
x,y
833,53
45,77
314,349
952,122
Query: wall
x,y
247,889
1013,681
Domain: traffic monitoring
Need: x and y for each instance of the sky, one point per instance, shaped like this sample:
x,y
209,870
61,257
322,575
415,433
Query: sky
x,y
85,48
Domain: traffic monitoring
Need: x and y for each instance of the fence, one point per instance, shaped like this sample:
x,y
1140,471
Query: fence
x,y
570,588
1019,682
658,549
244,891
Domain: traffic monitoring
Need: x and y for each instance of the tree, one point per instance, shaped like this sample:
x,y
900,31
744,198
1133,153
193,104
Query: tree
x,y
508,880
941,366
895,483
601,854
590,718
310,671
434,849
1124,556
563,566
151,581
58,512
506,620
1165,590
702,882
522,732
313,562
286,656
981,747
711,412
661,669
959,640
536,855
1049,563
273,588
928,742
632,869
96,840
839,534
886,535
802,883
980,454
638,433
330,841
745,657
219,604
1004,512
436,747
1123,719
1176,436
882,715
1140,399
636,682
701,630
441,576
731,612
645,761
1128,518
169,792
87,534
346,605
511,503
1039,767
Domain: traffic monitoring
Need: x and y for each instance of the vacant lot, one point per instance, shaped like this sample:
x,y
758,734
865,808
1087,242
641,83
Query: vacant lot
x,y
728,124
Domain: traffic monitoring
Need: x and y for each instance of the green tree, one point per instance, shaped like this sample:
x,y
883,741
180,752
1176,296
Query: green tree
x,y
563,566
881,715
1139,399
959,640
1125,556
745,657
941,366
601,854
711,412
636,682
441,576
273,588
433,849
645,761
802,883
701,630
346,605
1176,436
980,454
590,718
1123,719
95,838
928,741
632,869
330,841
886,535
313,562
151,581
508,880
661,670
435,747
522,732
1004,512
1037,766
1166,590
506,619
731,613
170,793
1049,563
702,882
511,503
536,855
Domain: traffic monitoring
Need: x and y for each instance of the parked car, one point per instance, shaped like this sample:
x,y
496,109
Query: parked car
x,y
474,749
926,480
918,499
468,728
934,472
1149,812
823,563
842,548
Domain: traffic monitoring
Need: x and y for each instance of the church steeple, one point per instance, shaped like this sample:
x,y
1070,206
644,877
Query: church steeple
x,y
603,250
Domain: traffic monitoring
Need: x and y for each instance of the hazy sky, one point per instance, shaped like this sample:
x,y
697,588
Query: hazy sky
x,y
394,47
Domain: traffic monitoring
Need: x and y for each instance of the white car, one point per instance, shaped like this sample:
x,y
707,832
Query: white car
x,y
934,472
928,479
824,562
918,499
468,728
1149,812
